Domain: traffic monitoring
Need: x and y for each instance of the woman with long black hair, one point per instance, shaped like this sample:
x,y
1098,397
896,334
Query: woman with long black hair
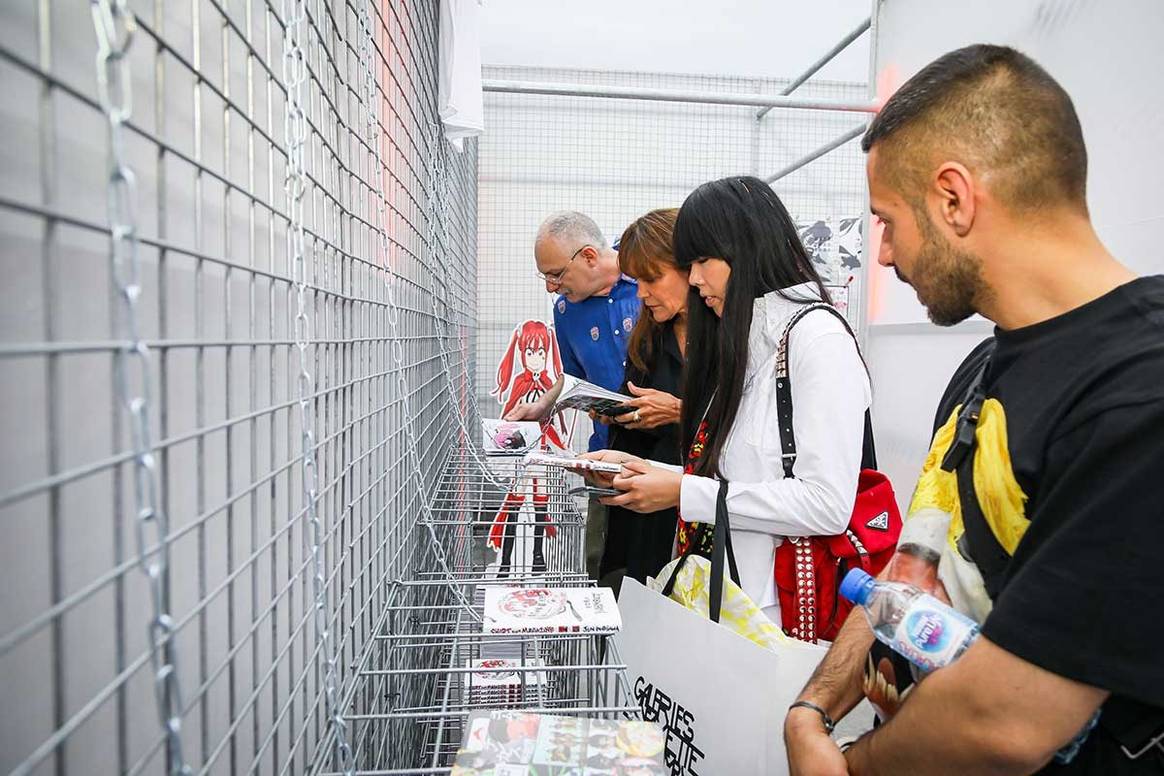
x,y
749,276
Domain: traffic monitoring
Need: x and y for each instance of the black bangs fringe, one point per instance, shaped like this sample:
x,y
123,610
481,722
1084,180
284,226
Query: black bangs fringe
x,y
701,222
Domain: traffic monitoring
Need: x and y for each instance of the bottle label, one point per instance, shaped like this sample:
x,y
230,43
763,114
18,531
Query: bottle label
x,y
931,637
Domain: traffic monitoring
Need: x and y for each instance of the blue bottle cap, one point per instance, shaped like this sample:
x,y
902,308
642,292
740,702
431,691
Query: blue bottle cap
x,y
857,585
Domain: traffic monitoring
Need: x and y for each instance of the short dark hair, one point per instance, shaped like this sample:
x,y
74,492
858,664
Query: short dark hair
x,y
998,112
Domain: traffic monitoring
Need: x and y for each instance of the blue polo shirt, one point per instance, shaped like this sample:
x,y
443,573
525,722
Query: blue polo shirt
x,y
592,336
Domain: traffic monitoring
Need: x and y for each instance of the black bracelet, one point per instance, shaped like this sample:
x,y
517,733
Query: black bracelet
x,y
830,726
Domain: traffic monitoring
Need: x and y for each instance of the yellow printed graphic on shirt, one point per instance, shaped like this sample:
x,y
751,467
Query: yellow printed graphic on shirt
x,y
1000,497
935,521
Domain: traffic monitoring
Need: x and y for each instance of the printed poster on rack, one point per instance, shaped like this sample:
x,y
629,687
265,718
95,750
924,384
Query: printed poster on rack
x,y
501,743
530,365
835,245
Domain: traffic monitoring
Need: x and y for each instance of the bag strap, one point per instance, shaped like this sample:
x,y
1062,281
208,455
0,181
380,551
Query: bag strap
x,y
978,543
784,395
967,423
806,625
721,547
868,447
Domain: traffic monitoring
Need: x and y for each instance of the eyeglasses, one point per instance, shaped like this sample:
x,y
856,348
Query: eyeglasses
x,y
555,278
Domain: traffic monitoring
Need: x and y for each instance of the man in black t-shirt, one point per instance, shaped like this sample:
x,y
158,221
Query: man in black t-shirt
x,y
1040,510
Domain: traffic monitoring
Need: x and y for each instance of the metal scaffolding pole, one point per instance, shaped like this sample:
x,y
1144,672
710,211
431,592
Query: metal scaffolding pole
x,y
855,132
673,95
817,65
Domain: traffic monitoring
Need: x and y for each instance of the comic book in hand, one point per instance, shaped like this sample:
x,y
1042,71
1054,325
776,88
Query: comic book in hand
x,y
577,394
509,437
514,743
551,610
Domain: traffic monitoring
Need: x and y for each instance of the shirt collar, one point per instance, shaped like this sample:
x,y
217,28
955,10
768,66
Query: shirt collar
x,y
622,282
770,313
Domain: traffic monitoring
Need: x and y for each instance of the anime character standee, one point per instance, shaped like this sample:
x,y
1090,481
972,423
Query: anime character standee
x,y
530,367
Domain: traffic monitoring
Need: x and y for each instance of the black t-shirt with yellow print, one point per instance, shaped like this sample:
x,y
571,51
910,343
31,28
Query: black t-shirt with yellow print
x,y
1078,402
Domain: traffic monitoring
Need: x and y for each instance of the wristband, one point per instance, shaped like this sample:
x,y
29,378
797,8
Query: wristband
x,y
830,726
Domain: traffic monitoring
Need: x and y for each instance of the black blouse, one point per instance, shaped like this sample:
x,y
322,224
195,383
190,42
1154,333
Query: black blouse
x,y
642,543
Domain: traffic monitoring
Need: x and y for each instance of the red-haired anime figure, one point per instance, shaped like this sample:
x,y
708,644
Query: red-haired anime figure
x,y
530,367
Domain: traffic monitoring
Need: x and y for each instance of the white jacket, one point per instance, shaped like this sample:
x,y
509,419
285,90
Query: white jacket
x,y
830,393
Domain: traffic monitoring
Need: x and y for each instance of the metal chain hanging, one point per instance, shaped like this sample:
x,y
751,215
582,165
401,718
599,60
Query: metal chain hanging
x,y
115,26
415,469
296,135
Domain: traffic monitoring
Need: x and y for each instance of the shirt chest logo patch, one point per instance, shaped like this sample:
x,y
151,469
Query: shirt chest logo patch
x,y
627,323
561,305
881,522
594,333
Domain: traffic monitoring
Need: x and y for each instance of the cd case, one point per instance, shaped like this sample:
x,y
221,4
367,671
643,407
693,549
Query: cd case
x,y
550,610
509,437
592,492
502,682
573,464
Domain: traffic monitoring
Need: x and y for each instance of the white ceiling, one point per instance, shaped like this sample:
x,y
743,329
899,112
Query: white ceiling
x,y
765,38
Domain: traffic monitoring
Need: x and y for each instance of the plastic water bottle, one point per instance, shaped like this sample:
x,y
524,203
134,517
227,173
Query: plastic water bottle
x,y
917,626
925,631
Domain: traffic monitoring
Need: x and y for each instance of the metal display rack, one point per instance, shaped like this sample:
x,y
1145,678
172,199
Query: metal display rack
x,y
424,675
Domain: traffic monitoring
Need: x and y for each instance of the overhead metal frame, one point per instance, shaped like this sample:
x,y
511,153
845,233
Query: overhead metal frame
x,y
843,44
836,143
675,95
812,156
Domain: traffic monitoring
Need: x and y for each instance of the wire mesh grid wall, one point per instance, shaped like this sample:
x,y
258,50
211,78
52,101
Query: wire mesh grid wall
x,y
616,159
197,114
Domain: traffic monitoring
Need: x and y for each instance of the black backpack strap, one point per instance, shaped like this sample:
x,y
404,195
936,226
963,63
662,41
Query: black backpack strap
x,y
967,423
721,548
978,544
784,395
